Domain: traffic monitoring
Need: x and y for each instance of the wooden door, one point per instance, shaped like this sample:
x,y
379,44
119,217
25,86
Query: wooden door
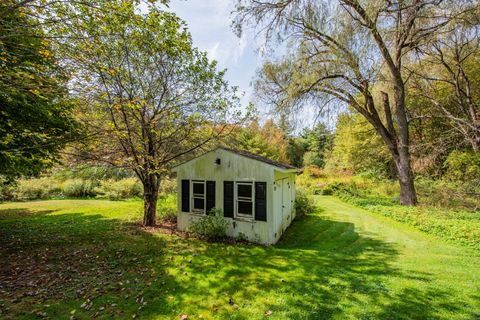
x,y
285,203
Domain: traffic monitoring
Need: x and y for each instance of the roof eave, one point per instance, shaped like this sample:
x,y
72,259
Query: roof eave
x,y
288,170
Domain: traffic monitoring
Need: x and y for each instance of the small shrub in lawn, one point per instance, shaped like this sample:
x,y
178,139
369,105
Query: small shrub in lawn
x,y
212,226
119,189
303,204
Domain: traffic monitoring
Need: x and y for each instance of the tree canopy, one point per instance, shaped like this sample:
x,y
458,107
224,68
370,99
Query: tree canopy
x,y
149,95
35,112
345,50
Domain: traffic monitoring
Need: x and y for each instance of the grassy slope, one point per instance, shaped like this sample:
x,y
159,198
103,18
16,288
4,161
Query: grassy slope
x,y
340,262
457,226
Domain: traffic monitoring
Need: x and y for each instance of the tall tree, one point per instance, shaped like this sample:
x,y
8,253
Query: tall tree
x,y
268,140
446,75
342,49
318,141
150,95
35,111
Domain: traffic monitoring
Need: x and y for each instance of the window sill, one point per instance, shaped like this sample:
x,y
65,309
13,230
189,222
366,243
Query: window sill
x,y
197,213
244,219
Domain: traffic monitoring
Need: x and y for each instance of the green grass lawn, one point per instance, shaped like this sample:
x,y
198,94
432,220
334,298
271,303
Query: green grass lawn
x,y
86,258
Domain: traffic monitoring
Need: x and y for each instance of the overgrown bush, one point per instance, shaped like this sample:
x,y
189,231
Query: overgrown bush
x,y
314,171
463,166
168,186
304,204
38,188
212,226
121,189
7,190
77,188
90,172
449,194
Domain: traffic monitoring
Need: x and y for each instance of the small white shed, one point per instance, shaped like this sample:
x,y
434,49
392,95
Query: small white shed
x,y
256,194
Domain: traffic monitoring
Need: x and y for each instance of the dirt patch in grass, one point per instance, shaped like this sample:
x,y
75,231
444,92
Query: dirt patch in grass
x,y
164,227
170,227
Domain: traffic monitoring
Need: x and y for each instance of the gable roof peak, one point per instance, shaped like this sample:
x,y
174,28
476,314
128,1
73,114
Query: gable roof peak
x,y
257,157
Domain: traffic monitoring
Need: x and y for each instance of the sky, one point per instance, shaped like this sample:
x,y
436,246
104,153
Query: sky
x,y
209,22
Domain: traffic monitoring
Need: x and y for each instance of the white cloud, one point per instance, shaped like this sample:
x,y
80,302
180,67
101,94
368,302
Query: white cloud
x,y
210,25
212,52
241,45
209,22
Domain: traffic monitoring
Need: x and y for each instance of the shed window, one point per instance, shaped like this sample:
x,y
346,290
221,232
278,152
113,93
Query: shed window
x,y
244,199
198,196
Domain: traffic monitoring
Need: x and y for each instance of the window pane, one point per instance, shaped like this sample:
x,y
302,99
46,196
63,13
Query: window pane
x,y
244,190
198,188
198,204
245,207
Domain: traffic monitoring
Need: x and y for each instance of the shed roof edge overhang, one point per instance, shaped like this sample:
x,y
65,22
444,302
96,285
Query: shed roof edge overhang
x,y
278,166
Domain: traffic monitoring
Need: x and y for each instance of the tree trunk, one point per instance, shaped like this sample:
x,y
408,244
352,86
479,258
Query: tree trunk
x,y
398,145
476,140
150,196
408,195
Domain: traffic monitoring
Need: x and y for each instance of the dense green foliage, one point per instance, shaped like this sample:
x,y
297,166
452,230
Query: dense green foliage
x,y
355,149
35,112
463,166
89,258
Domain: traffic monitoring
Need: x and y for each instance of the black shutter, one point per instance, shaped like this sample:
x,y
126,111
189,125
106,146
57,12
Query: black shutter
x,y
261,201
210,196
228,199
185,196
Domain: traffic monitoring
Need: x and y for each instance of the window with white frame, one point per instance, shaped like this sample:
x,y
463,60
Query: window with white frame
x,y
244,199
198,196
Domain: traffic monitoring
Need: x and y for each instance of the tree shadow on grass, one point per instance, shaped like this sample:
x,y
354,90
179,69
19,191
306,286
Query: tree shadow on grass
x,y
320,270
59,265
56,264
19,213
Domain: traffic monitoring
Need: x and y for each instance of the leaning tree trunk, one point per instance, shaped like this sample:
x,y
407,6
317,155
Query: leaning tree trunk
x,y
150,196
398,144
